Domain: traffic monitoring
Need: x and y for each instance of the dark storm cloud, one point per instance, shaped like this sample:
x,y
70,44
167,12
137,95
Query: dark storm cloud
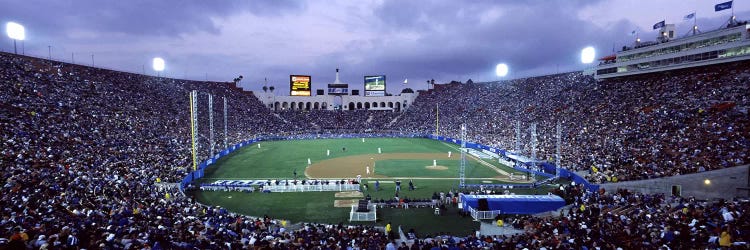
x,y
418,40
454,43
137,17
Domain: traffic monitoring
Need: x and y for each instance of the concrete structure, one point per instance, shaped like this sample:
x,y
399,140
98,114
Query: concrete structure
x,y
728,44
396,103
723,183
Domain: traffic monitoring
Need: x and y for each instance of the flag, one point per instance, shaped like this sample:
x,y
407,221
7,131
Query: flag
x,y
723,6
689,16
633,33
659,25
406,81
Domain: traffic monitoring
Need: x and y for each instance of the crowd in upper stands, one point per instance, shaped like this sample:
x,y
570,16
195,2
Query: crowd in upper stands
x,y
88,156
355,121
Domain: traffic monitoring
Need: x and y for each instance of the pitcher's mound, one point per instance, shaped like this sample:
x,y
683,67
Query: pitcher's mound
x,y
345,203
348,194
438,167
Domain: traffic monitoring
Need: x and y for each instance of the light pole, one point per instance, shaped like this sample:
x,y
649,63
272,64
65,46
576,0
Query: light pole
x,y
16,32
501,70
588,55
49,51
158,65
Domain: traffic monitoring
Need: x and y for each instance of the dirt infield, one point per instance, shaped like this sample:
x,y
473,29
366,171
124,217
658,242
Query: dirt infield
x,y
438,167
345,203
348,166
348,194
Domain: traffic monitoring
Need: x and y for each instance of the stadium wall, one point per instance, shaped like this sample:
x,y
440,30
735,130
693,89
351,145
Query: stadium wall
x,y
725,183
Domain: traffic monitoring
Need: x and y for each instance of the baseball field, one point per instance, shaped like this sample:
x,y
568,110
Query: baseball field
x,y
425,162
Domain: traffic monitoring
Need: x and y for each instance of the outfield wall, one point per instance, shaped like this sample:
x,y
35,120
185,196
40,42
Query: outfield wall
x,y
545,169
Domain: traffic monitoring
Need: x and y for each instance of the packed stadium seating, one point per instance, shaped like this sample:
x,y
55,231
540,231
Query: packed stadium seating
x,y
644,127
88,154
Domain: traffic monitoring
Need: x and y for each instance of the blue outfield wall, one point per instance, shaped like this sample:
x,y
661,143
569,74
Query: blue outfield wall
x,y
547,169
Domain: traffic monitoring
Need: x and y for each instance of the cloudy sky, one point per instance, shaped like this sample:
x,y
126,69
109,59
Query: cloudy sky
x,y
443,40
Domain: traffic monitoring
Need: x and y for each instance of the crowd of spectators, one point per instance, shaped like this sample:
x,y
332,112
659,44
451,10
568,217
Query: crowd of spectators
x,y
88,157
354,121
627,220
640,127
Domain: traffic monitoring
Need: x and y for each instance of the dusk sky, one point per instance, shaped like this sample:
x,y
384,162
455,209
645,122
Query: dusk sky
x,y
418,40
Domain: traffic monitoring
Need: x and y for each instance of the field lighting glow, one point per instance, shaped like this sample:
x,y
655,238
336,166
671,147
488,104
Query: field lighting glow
x,y
501,70
158,64
15,31
588,54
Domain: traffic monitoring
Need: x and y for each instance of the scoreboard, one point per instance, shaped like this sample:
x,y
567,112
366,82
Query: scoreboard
x,y
375,85
299,85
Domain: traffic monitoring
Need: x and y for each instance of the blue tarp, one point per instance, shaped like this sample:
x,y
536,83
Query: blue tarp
x,y
515,204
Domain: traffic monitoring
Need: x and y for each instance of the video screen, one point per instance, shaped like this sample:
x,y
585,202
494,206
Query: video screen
x,y
375,85
335,89
299,85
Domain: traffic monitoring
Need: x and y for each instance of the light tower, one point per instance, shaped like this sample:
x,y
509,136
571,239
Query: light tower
x,y
16,32
517,147
194,127
462,168
225,124
588,54
558,145
533,149
501,70
158,65
211,141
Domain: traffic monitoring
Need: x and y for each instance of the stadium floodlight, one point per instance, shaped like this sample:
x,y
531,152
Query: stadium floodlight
x,y
158,65
501,70
16,32
588,54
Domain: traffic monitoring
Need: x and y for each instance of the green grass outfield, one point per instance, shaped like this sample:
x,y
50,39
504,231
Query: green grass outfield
x,y
279,159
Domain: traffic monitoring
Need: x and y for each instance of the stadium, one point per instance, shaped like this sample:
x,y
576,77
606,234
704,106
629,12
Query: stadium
x,y
649,149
